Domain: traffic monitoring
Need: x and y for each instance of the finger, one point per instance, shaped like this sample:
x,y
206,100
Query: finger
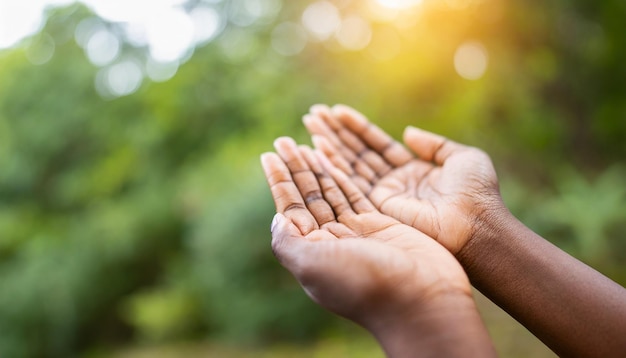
x,y
333,194
323,127
372,160
338,161
355,197
365,162
318,126
287,198
286,237
377,163
307,261
320,208
430,146
305,180
374,137
288,243
325,113
320,142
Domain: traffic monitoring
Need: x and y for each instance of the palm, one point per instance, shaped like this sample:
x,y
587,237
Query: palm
x,y
360,272
348,256
436,200
439,195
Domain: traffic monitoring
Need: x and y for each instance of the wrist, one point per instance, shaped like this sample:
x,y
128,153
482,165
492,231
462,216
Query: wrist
x,y
491,224
447,325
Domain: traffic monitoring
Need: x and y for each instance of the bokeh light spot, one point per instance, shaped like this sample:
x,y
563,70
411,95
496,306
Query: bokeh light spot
x,y
289,39
265,11
120,79
85,29
102,47
470,60
40,49
124,78
377,12
135,34
354,34
207,23
161,71
170,34
119,10
321,19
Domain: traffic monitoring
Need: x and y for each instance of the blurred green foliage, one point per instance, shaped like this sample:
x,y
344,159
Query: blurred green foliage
x,y
145,218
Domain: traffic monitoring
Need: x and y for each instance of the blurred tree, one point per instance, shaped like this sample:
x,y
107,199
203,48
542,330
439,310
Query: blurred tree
x,y
144,216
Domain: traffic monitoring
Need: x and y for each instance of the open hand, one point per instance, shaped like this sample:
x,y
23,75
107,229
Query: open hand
x,y
349,257
447,192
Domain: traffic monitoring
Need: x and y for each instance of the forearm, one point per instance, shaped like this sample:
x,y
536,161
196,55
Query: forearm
x,y
450,327
572,308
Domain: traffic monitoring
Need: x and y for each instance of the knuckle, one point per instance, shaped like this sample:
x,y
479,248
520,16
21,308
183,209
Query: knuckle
x,y
313,196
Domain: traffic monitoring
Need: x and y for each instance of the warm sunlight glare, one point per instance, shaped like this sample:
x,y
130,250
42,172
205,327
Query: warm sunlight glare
x,y
399,4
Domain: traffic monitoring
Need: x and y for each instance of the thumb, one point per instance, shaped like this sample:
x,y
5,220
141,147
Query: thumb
x,y
430,146
287,241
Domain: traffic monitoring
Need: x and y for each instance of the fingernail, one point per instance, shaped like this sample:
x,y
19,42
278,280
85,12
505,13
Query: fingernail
x,y
277,218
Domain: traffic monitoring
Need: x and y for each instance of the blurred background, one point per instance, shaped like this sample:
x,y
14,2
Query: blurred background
x,y
134,216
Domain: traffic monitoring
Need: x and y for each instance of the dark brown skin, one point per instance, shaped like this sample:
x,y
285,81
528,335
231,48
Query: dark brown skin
x,y
450,192
395,281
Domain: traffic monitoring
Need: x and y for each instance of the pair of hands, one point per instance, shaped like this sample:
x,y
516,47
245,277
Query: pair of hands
x,y
371,230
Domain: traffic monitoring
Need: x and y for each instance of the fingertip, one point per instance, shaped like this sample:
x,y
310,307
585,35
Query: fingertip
x,y
319,108
340,107
413,139
316,138
410,131
320,142
268,158
349,115
284,143
422,135
265,157
307,119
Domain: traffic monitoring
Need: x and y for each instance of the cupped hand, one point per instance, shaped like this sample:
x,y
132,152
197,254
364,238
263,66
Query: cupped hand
x,y
448,191
349,257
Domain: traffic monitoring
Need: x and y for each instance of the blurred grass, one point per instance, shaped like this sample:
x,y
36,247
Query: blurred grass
x,y
510,338
347,341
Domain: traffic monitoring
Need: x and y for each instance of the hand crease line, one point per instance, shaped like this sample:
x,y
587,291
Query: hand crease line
x,y
436,152
294,206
